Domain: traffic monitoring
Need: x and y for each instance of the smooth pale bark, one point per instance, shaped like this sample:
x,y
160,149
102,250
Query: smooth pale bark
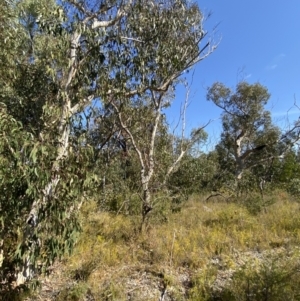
x,y
147,165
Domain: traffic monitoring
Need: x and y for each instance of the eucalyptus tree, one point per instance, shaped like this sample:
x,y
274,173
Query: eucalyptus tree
x,y
249,138
124,54
165,43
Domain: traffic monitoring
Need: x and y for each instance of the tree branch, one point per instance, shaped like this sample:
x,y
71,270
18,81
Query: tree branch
x,y
121,13
127,130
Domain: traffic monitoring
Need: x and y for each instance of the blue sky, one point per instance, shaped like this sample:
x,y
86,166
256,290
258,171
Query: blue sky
x,y
259,41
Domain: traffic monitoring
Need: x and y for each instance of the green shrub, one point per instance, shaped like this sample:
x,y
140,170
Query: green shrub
x,y
202,284
78,292
294,187
274,278
255,204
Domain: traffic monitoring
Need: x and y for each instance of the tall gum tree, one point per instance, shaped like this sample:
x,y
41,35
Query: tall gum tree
x,y
248,135
121,53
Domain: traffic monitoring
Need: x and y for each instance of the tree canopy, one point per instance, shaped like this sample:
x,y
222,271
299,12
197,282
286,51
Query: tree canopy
x,y
249,137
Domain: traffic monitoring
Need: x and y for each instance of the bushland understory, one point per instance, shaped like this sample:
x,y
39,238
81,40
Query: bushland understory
x,y
204,251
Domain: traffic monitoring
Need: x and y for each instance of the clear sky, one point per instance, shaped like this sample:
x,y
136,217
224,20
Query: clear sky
x,y
259,41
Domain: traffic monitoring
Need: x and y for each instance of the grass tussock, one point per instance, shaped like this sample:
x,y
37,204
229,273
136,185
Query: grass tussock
x,y
189,251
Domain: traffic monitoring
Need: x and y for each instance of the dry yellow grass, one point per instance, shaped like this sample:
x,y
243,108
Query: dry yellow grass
x,y
111,248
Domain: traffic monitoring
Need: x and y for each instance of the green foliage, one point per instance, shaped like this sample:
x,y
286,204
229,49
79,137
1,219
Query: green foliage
x,y
17,294
15,178
195,173
202,284
286,170
294,187
77,292
25,165
249,141
276,277
113,291
273,277
256,204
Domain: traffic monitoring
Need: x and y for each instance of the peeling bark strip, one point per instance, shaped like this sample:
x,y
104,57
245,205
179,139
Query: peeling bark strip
x,y
239,157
